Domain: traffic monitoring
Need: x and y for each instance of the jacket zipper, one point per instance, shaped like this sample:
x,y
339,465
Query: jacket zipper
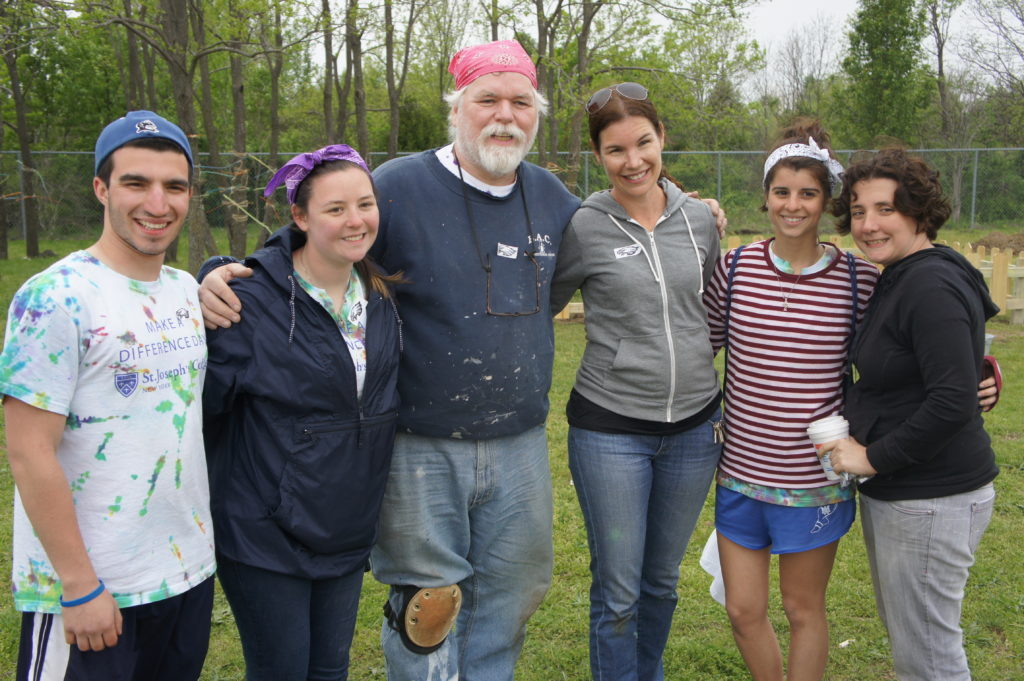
x,y
308,432
668,329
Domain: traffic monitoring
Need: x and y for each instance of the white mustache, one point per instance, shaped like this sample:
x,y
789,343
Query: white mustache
x,y
503,129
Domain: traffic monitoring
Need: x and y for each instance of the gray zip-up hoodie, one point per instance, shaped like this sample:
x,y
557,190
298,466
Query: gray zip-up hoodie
x,y
648,355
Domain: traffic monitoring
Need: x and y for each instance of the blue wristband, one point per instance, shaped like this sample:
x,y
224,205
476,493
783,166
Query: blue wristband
x,y
84,599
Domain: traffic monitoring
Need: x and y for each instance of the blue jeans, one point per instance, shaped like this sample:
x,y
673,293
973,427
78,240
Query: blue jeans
x,y
476,513
291,628
641,496
920,551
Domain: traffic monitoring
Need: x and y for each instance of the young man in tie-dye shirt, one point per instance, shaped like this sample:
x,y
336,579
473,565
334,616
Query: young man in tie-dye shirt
x,y
101,376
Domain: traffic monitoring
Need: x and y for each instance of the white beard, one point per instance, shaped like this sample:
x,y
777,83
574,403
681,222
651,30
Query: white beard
x,y
497,161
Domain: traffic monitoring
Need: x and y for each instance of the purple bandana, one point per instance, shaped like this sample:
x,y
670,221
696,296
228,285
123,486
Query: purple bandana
x,y
295,171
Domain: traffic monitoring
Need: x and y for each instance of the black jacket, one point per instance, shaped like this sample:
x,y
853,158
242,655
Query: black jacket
x,y
918,354
297,463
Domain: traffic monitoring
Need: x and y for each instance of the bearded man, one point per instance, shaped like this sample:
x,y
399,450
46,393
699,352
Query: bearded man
x,y
468,502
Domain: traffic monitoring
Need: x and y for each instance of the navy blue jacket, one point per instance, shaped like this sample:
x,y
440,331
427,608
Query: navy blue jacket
x,y
297,463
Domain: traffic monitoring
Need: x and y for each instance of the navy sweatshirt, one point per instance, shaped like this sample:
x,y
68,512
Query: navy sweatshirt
x,y
467,373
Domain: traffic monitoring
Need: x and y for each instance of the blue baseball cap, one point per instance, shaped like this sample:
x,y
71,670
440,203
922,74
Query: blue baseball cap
x,y
136,125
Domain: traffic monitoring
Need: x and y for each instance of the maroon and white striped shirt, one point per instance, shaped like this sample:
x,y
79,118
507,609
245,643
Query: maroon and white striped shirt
x,y
788,339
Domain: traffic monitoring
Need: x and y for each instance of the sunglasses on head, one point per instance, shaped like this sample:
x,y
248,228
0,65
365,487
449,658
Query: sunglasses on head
x,y
601,97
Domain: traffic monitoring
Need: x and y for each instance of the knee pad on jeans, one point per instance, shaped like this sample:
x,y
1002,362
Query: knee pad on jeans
x,y
426,617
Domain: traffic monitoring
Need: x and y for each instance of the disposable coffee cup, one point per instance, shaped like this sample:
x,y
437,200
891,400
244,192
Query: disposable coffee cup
x,y
824,430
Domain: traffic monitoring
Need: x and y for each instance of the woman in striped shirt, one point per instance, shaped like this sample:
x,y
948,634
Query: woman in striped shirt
x,y
785,308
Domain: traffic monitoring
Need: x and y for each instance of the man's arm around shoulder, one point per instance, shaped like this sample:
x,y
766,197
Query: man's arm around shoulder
x,y
33,436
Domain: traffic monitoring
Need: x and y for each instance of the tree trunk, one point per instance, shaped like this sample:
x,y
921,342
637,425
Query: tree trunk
x,y
342,88
396,83
135,80
552,121
175,18
206,92
939,29
938,23
197,17
957,182
547,58
406,49
493,14
330,68
354,37
175,25
149,64
581,85
239,221
275,64
28,197
126,90
389,74
542,76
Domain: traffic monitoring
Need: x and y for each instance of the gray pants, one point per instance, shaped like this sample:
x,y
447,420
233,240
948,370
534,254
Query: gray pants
x,y
920,551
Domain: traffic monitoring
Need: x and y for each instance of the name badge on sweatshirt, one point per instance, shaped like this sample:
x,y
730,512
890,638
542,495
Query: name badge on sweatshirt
x,y
506,251
627,251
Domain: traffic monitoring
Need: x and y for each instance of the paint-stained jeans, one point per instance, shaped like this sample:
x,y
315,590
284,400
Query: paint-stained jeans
x,y
476,513
920,551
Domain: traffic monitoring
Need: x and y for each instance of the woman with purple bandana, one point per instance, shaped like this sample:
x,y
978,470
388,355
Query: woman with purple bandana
x,y
299,427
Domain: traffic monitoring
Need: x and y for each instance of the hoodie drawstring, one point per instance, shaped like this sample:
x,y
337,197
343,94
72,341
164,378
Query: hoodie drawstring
x,y
700,263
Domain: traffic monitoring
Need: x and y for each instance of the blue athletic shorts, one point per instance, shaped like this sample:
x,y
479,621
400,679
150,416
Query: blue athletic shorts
x,y
756,524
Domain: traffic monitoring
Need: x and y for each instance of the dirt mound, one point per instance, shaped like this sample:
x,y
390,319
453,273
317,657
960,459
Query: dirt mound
x,y
1001,240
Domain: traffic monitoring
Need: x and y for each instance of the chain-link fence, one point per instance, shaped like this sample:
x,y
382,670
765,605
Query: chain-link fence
x,y
986,186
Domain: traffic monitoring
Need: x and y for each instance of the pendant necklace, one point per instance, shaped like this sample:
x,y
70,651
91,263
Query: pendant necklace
x,y
785,293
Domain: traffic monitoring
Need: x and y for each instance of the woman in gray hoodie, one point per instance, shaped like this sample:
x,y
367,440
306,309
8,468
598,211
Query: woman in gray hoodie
x,y
644,413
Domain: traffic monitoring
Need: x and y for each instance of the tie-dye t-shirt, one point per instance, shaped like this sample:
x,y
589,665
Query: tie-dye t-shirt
x,y
125,361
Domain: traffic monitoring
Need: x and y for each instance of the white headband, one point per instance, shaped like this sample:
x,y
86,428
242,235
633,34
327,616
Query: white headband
x,y
810,150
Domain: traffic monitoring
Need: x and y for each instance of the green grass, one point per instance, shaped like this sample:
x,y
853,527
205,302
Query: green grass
x,y
700,647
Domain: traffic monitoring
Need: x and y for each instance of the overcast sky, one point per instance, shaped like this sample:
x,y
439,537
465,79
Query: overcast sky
x,y
771,19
